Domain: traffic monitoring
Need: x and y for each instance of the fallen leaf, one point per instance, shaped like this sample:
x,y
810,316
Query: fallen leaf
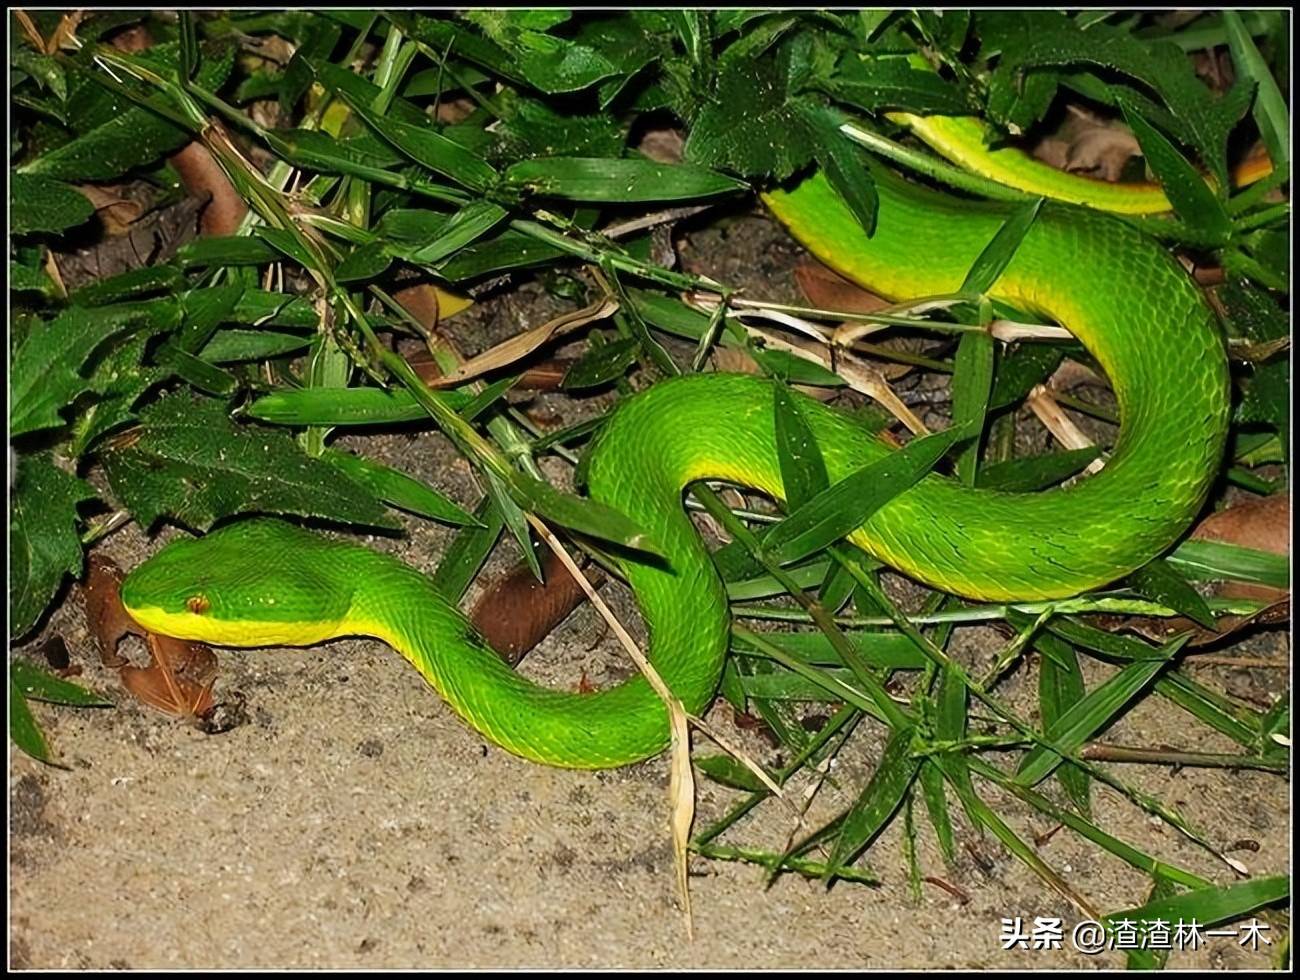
x,y
106,617
178,680
511,351
1161,630
116,213
1103,150
1263,523
827,290
431,304
204,178
517,612
663,145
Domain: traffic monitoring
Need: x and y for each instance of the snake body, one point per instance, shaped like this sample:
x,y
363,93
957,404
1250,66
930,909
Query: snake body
x,y
264,582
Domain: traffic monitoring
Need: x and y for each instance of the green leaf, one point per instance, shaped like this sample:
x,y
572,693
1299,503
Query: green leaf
x,y
586,516
726,771
1158,581
46,374
315,150
442,35
883,651
1031,473
1186,189
794,369
844,508
467,553
486,397
986,269
875,84
1270,108
23,730
971,385
602,364
44,545
191,463
42,204
467,225
803,471
1255,314
429,148
841,161
136,282
344,406
120,378
1060,687
24,279
362,263
509,250
397,488
129,138
1020,369
230,250
1093,713
752,125
1210,560
532,128
630,181
548,63
1210,906
251,345
40,685
1158,958
877,802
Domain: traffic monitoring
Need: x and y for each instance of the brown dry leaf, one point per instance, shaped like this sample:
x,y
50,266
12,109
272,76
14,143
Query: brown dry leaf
x,y
663,145
430,304
734,360
521,345
152,240
106,618
545,375
55,652
452,111
116,213
1102,150
517,612
1264,524
133,40
178,680
203,177
1160,630
828,290
29,28
65,34
1053,151
180,675
1090,144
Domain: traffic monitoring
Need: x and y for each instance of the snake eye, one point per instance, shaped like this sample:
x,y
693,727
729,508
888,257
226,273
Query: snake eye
x,y
198,604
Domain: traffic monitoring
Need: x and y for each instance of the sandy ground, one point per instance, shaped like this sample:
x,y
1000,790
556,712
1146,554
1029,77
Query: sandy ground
x,y
352,821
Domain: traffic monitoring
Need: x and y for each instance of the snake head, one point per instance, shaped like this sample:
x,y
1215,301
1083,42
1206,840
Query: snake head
x,y
254,583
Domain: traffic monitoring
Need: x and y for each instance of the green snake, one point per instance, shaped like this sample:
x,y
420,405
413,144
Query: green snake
x,y
264,582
